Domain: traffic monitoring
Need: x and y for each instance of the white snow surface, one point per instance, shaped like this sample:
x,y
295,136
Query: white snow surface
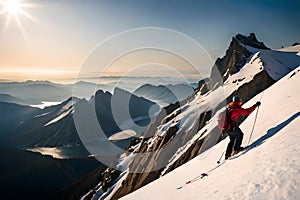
x,y
61,116
45,104
291,49
64,111
126,134
270,170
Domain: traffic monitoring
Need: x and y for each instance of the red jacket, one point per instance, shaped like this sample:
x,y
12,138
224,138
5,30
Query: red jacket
x,y
238,111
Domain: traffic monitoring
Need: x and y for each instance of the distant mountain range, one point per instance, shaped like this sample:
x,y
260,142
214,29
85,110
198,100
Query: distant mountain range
x,y
34,92
54,125
165,94
11,99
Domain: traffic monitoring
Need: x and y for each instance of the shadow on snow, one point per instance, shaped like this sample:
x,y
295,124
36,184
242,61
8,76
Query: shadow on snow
x,y
270,133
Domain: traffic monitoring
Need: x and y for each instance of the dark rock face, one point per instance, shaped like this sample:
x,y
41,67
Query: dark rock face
x,y
194,149
251,41
203,86
122,105
109,175
235,57
261,81
296,43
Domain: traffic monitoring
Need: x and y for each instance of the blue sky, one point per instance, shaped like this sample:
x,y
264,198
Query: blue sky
x,y
63,32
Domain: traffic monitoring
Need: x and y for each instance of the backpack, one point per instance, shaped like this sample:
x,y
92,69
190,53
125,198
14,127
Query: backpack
x,y
224,119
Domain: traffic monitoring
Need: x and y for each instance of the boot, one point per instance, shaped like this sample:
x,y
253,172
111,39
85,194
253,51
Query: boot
x,y
226,157
236,151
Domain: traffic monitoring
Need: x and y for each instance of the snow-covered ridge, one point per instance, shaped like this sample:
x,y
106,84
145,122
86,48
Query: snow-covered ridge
x,y
269,170
61,116
277,63
63,112
295,48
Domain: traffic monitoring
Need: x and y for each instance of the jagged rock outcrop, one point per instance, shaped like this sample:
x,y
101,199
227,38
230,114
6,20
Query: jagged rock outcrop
x,y
164,116
235,57
194,149
261,81
251,41
202,86
109,175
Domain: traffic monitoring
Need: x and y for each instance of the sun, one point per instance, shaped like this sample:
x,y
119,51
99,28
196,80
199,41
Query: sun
x,y
13,7
16,9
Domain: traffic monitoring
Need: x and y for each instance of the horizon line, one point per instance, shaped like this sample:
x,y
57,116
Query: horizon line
x,y
86,79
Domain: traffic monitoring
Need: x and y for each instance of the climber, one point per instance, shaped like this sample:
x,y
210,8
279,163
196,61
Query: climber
x,y
236,114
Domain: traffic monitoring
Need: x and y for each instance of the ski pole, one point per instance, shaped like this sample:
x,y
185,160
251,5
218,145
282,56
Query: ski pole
x,y
220,157
255,118
253,125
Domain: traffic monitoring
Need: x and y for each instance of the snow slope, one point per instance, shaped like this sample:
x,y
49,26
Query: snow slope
x,y
64,111
291,49
270,170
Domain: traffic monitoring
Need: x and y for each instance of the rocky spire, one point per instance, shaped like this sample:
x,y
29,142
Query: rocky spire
x,y
251,41
235,57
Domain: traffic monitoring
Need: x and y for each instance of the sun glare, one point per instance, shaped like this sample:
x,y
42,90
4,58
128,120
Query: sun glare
x,y
15,9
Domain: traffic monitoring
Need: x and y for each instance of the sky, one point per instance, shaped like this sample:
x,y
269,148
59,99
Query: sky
x,y
54,39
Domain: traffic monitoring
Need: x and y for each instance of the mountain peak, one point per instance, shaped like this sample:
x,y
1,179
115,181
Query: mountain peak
x,y
235,58
250,40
